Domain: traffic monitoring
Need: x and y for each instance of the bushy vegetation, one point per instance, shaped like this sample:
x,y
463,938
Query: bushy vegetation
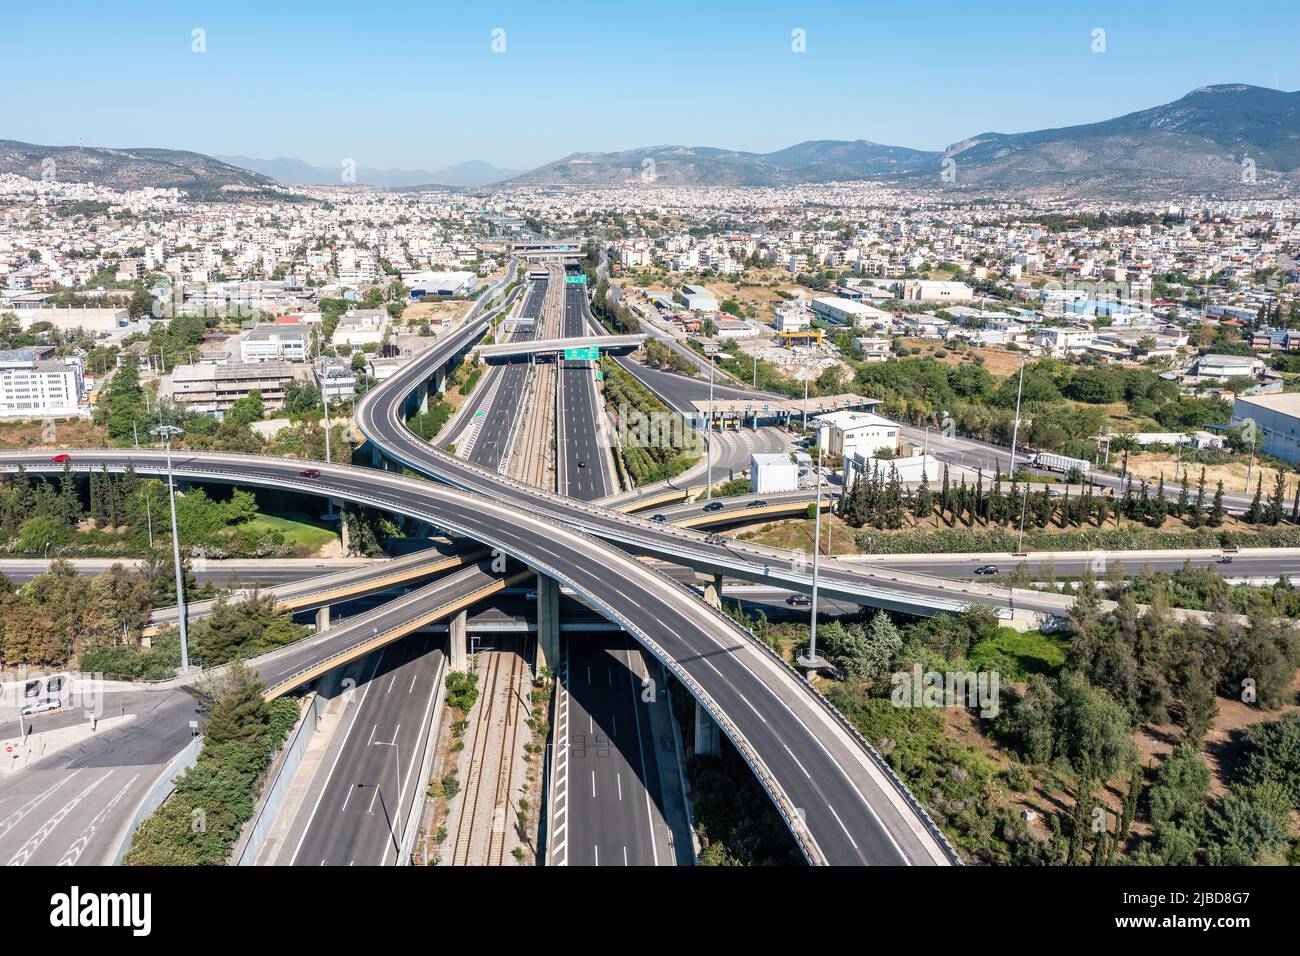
x,y
674,448
200,822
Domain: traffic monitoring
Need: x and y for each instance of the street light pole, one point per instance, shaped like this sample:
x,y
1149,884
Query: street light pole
x,y
1015,427
817,535
708,437
166,432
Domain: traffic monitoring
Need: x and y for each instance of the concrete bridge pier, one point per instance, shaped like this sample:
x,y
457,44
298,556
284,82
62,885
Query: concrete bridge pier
x,y
322,619
548,623
422,394
708,743
711,588
458,644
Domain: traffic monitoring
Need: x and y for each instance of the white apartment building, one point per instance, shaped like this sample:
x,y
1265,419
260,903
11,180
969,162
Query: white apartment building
x,y
32,388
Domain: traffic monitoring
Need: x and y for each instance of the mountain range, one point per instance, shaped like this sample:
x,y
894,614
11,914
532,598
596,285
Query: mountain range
x,y
199,175
295,172
1231,139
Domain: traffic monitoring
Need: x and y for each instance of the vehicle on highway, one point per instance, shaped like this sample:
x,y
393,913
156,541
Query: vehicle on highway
x,y
530,595
658,519
582,463
61,458
987,569
798,600
760,503
714,506
310,473
1226,559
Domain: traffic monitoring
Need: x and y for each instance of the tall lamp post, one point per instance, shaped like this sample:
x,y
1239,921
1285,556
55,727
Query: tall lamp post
x,y
708,435
165,432
810,660
1015,427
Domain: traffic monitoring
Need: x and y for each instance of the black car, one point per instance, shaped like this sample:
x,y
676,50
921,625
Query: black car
x,y
760,503
658,519
582,463
799,600
714,506
987,569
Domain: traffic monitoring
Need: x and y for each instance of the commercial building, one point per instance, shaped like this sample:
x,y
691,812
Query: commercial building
x,y
914,469
1277,423
1223,367
359,327
699,299
427,283
94,321
213,389
847,433
848,312
933,290
273,341
735,329
35,388
770,473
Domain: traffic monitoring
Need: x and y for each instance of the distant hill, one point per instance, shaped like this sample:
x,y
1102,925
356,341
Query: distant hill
x,y
1196,143
200,176
814,161
295,172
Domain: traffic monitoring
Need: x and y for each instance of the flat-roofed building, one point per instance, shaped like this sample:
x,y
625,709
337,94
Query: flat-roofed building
x,y
274,341
39,388
214,389
848,312
1277,423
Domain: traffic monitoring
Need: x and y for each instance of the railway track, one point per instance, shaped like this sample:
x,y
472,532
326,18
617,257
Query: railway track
x,y
494,747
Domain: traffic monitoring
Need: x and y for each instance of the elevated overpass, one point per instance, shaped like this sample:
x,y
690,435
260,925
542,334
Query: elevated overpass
x,y
840,800
588,344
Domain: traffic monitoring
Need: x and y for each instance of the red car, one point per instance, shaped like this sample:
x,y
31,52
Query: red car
x,y
61,458
310,473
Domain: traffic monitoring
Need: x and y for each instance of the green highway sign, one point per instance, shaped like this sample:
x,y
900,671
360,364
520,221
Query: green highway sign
x,y
579,279
589,354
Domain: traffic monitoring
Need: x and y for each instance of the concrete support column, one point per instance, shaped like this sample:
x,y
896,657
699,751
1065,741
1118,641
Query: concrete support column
x,y
708,743
711,588
440,381
423,394
345,536
376,457
459,643
548,622
322,619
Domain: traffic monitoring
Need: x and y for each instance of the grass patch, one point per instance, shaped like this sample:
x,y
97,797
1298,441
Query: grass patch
x,y
1018,655
300,530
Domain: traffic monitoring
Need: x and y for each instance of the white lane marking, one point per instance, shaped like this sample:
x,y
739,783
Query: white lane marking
x,y
34,842
796,760
593,785
842,826
11,821
78,846
620,786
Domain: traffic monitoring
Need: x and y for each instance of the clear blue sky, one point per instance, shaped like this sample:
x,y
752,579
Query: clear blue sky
x,y
416,85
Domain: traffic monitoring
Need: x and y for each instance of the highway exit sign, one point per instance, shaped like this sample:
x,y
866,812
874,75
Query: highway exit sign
x,y
588,354
578,279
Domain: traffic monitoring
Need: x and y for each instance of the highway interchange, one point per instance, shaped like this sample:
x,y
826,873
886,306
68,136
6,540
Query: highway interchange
x,y
837,796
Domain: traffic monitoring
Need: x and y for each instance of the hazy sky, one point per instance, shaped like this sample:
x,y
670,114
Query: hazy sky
x,y
417,85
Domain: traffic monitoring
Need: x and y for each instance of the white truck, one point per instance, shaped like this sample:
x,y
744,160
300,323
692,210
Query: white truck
x,y
1061,463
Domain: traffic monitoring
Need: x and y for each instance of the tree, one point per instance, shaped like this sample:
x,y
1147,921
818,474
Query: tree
x,y
247,410
236,712
1094,732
